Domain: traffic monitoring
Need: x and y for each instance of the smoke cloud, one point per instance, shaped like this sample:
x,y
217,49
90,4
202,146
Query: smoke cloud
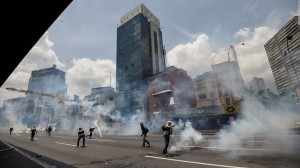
x,y
188,137
259,126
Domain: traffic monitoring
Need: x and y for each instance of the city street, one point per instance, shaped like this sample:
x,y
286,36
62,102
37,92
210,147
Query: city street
x,y
113,151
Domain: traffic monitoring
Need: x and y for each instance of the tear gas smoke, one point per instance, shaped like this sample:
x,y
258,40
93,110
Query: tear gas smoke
x,y
132,126
188,137
68,117
258,123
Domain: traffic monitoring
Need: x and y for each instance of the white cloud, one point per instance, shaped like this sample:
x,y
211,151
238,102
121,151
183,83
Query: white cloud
x,y
185,32
84,75
87,74
40,56
253,59
194,57
242,33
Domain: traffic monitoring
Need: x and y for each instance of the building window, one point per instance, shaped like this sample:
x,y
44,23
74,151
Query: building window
x,y
211,95
203,96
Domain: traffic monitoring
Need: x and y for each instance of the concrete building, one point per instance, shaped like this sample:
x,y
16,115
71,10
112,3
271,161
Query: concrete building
x,y
206,90
101,96
283,51
229,78
257,84
170,90
140,54
216,95
47,90
48,81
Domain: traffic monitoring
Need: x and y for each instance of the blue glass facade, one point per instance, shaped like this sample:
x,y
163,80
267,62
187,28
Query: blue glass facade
x,y
49,80
133,53
133,61
140,54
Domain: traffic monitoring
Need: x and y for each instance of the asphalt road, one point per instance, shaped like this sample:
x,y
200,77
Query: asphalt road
x,y
114,151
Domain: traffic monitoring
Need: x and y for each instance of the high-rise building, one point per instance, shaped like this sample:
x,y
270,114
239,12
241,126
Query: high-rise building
x,y
257,84
48,81
46,89
229,78
170,90
140,54
283,51
101,96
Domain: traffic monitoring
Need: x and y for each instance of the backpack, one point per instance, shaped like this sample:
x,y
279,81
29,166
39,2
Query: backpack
x,y
146,129
163,128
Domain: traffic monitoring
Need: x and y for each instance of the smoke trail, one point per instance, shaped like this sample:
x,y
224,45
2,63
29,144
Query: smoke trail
x,y
188,137
99,130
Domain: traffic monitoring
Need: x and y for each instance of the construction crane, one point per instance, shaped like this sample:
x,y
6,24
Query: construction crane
x,y
53,96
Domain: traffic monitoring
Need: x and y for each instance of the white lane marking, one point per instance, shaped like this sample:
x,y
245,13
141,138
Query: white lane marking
x,y
64,144
127,137
199,163
249,149
161,135
101,140
258,141
58,136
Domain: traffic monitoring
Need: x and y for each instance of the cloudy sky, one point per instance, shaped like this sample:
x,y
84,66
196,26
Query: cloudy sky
x,y
82,41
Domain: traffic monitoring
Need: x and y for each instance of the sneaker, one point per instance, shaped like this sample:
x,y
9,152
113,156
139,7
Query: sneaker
x,y
166,155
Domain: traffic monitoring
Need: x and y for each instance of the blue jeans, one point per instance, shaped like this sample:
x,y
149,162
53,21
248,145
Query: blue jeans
x,y
167,140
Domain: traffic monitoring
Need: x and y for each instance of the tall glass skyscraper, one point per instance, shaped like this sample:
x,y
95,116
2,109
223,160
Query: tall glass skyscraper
x,y
140,54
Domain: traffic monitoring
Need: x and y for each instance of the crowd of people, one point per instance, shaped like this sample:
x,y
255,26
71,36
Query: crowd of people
x,y
167,132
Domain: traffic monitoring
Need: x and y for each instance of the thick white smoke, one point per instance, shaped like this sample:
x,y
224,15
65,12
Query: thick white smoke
x,y
11,116
259,126
132,126
188,137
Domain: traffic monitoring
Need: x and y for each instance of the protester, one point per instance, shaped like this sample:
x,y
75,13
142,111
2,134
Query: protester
x,y
81,135
49,129
145,131
10,130
168,130
33,132
91,132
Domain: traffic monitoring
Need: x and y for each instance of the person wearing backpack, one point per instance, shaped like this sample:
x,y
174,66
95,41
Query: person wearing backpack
x,y
168,130
145,131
